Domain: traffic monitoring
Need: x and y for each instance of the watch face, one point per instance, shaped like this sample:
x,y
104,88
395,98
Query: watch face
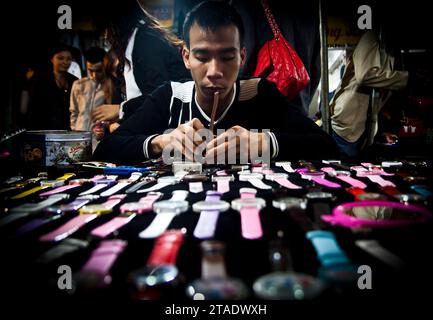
x,y
289,203
319,195
52,183
340,173
287,286
223,178
220,206
170,206
217,289
151,276
273,176
95,208
240,203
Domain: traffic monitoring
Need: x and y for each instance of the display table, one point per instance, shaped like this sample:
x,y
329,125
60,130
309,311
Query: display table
x,y
346,261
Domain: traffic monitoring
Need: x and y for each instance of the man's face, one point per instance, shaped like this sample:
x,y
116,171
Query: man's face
x,y
96,71
214,59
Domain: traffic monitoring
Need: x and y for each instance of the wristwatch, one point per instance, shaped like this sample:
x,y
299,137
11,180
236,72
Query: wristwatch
x,y
372,175
160,271
165,212
96,271
249,207
45,184
320,204
87,214
122,183
127,212
72,184
255,179
376,169
55,212
214,283
282,179
162,183
296,208
27,209
318,177
209,212
335,265
20,185
282,283
100,184
423,190
344,176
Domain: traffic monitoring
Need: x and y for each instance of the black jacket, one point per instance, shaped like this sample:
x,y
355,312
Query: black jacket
x,y
257,105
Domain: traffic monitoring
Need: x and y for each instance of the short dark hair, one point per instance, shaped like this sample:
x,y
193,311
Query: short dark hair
x,y
95,55
57,48
211,15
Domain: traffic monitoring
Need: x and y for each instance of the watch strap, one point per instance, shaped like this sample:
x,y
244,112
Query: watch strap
x,y
112,225
68,228
259,184
196,187
380,181
206,224
59,189
94,189
166,248
322,181
65,247
158,225
251,226
352,181
155,187
223,185
328,250
286,183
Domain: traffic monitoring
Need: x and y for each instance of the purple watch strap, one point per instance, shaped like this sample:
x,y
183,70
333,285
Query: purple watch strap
x,y
101,261
207,221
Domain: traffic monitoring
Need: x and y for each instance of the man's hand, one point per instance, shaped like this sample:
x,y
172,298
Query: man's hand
x,y
106,112
237,143
183,139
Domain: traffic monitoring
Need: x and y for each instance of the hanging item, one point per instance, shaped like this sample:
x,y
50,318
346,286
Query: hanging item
x,y
278,62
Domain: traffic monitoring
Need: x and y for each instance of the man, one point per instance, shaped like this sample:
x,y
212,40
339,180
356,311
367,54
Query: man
x,y
214,54
88,93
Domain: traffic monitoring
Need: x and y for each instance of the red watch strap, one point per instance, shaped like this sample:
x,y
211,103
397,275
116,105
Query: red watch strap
x,y
166,248
390,191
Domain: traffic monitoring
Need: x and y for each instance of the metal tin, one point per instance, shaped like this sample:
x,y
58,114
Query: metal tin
x,y
56,147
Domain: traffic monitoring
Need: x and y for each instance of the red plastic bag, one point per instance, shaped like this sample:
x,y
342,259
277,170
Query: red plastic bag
x,y
278,62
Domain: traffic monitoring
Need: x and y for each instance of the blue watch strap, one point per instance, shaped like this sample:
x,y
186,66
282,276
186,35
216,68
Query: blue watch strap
x,y
328,251
422,190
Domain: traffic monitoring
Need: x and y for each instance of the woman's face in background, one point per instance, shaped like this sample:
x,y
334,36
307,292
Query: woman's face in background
x,y
61,61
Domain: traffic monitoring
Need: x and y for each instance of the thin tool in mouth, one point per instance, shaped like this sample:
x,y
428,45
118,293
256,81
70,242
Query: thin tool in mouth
x,y
214,110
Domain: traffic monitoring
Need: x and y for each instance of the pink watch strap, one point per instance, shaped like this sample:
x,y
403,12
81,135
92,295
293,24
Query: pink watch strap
x,y
111,226
223,186
250,223
68,228
114,200
352,181
286,183
59,189
380,181
326,183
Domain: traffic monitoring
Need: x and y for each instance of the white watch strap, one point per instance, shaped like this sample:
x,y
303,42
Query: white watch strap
x,y
375,249
206,224
380,181
159,224
94,189
287,166
196,187
179,195
155,187
259,184
114,189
